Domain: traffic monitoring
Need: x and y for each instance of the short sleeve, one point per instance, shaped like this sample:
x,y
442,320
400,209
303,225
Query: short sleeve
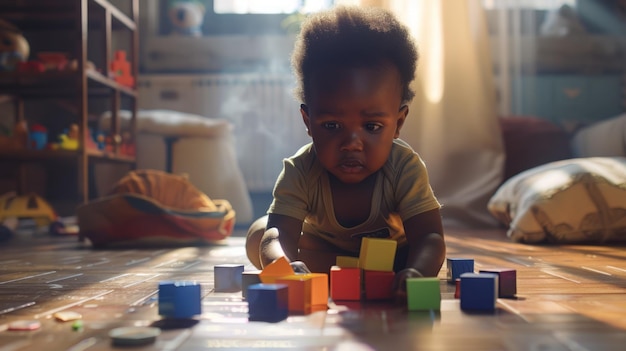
x,y
413,193
290,192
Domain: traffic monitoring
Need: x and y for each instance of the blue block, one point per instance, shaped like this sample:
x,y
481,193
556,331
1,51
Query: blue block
x,y
479,291
227,277
458,266
267,302
179,299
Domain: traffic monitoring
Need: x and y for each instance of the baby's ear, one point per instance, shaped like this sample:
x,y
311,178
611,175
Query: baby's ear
x,y
402,114
304,111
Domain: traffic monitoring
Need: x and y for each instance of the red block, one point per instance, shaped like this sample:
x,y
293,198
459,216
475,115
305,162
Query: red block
x,y
378,285
345,283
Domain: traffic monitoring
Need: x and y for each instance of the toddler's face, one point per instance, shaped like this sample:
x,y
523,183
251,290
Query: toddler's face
x,y
353,115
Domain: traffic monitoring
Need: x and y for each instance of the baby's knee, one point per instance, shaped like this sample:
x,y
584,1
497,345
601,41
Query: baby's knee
x,y
253,240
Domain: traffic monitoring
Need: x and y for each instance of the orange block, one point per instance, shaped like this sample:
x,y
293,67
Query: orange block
x,y
345,283
319,289
299,292
277,269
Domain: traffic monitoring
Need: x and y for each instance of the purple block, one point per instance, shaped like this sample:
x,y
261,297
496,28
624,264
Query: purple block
x,y
479,291
458,266
227,277
249,278
267,302
507,280
179,299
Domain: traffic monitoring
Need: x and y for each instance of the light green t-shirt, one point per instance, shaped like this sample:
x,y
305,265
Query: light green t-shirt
x,y
401,191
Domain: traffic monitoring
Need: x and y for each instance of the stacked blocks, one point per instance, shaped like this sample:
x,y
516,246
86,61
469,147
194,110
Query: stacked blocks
x,y
458,266
345,283
370,275
180,299
378,285
268,302
277,269
507,281
249,278
377,254
227,277
423,294
479,291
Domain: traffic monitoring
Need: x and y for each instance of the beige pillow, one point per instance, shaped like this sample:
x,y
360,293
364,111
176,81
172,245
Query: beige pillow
x,y
570,201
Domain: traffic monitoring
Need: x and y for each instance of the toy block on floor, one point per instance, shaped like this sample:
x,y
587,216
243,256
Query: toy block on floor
x,y
319,290
458,266
377,254
507,281
227,277
479,291
248,278
179,299
299,290
279,268
347,262
378,285
423,294
268,302
345,283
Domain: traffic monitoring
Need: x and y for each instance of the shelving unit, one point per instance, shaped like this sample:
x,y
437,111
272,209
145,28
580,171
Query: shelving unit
x,y
91,30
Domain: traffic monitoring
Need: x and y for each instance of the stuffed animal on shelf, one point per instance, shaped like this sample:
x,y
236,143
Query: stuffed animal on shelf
x,y
13,47
186,17
70,140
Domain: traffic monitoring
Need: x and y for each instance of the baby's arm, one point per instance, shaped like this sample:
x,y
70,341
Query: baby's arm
x,y
280,239
427,249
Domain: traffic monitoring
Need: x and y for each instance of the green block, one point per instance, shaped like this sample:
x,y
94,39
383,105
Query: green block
x,y
423,294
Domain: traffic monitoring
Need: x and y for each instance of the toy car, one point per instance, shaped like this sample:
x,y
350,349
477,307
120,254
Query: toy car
x,y
29,206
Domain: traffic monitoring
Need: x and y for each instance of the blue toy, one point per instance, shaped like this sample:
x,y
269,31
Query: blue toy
x,y
268,302
179,299
458,266
479,291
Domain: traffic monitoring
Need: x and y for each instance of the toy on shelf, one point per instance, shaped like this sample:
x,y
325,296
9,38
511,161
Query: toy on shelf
x,y
13,47
37,137
120,69
186,17
70,140
53,61
19,139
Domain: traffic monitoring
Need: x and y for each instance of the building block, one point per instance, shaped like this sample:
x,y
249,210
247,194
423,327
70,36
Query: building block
x,y
299,290
377,254
319,290
179,299
249,278
423,294
279,268
268,302
458,266
479,291
378,285
507,281
347,261
227,277
345,283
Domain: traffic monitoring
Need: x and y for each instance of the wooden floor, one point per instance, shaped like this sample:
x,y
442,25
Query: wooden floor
x,y
569,298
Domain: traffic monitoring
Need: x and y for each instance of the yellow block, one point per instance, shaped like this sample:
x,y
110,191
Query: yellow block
x,y
347,262
377,254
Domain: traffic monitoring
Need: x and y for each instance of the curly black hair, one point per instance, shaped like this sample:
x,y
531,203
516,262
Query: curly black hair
x,y
353,36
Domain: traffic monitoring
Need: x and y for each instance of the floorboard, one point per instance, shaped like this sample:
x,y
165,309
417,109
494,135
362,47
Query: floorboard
x,y
568,298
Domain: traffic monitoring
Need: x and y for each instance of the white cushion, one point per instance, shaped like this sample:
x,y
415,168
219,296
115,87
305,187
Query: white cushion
x,y
570,201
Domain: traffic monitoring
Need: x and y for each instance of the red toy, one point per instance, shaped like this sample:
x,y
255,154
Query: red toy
x,y
120,68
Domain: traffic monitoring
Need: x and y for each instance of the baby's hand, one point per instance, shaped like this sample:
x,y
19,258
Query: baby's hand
x,y
299,267
399,283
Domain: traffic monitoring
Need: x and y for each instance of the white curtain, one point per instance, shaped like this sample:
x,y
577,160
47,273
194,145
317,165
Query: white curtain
x,y
453,121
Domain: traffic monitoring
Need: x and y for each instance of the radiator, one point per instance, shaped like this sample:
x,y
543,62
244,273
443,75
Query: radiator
x,y
267,125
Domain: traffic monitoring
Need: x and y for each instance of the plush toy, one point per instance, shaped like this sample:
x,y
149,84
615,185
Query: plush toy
x,y
186,17
13,46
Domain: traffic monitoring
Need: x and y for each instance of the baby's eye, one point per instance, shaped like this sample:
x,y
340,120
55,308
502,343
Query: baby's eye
x,y
331,125
373,127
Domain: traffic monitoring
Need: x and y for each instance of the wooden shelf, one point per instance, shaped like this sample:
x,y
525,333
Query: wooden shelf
x,y
88,30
